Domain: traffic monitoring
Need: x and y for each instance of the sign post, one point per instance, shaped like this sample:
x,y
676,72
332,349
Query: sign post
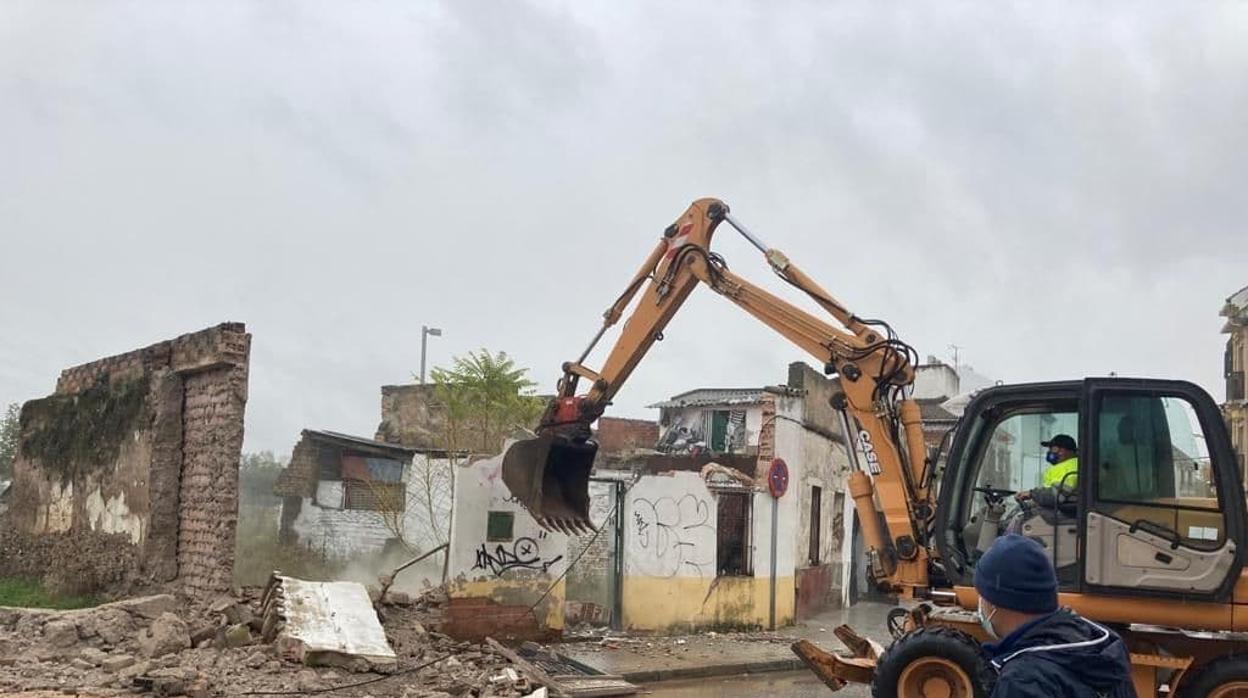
x,y
777,484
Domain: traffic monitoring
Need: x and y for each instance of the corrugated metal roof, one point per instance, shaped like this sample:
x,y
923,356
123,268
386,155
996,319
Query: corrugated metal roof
x,y
341,438
1240,299
714,396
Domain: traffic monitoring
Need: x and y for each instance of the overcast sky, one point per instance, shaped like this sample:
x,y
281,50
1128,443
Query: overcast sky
x,y
1056,188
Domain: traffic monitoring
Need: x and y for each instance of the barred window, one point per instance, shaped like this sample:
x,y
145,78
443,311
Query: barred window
x,y
373,496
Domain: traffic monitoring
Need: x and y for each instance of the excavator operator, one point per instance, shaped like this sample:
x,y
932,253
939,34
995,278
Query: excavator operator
x,y
1060,478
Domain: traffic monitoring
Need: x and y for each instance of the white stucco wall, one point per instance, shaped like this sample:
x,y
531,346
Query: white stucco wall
x,y
788,447
324,526
670,527
479,489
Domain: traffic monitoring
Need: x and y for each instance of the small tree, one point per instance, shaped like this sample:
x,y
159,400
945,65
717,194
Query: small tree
x,y
485,397
10,429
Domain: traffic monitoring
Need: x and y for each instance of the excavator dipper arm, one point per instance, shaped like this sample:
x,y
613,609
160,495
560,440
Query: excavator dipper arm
x,y
550,474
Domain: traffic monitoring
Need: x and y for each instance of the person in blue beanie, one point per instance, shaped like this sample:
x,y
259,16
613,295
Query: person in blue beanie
x,y
1040,650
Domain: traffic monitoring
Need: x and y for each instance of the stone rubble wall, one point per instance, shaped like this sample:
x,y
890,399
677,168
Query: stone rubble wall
x,y
144,444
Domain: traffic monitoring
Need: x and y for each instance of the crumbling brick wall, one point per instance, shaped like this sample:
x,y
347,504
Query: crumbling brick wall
x,y
411,415
143,446
616,434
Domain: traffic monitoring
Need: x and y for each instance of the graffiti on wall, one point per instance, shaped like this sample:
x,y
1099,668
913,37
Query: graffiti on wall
x,y
524,553
673,535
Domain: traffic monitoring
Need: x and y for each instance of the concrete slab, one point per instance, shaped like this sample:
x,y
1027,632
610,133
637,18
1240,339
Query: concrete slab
x,y
327,622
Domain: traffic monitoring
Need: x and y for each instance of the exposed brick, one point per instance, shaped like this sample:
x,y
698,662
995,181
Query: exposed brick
x,y
172,472
615,434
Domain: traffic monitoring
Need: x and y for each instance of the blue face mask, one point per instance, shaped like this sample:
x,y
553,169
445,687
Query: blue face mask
x,y
985,620
1051,457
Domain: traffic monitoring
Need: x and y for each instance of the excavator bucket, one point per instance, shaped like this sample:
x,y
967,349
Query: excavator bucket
x,y
550,476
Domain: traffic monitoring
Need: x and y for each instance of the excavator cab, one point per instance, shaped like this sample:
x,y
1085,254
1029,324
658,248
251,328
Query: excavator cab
x,y
1156,504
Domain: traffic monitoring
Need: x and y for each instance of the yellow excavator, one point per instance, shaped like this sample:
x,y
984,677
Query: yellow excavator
x,y
1147,535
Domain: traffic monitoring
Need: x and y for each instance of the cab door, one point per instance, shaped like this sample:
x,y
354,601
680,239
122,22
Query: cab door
x,y
1163,508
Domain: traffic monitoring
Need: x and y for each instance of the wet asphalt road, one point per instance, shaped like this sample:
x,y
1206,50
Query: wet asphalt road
x,y
785,683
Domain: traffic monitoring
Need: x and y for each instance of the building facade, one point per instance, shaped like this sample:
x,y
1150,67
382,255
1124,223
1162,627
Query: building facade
x,y
348,497
714,547
1235,409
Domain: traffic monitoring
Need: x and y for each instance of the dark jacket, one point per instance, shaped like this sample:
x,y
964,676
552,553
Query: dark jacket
x,y
1061,655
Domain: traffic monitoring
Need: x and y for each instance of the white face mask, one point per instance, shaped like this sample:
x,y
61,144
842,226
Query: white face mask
x,y
985,619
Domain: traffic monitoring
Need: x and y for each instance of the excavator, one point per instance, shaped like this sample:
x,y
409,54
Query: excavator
x,y
1147,535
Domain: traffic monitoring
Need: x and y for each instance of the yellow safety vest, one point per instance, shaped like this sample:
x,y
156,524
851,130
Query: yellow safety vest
x,y
1056,474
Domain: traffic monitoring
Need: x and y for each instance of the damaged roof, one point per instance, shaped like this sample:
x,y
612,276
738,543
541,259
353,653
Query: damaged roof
x,y
359,442
720,396
1236,310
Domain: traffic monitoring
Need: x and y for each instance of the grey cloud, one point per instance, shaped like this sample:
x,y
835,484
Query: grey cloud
x,y
1053,186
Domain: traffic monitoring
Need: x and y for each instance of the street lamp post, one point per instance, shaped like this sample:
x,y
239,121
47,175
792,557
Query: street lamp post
x,y
425,332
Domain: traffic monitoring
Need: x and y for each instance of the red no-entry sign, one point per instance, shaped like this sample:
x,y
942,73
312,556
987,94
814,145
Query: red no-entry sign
x,y
778,478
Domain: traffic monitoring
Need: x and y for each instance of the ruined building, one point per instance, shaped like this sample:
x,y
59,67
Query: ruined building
x,y
347,497
1236,363
412,416
134,458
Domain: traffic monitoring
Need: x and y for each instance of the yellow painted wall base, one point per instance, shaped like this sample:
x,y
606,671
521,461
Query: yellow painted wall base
x,y
678,604
518,591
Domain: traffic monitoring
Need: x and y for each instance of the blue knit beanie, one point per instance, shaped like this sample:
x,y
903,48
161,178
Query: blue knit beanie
x,y
1016,574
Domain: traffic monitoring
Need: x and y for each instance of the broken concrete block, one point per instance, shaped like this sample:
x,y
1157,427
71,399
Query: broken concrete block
x,y
239,615
117,662
220,605
60,633
398,598
170,681
91,654
167,634
233,611
206,632
134,669
113,625
237,635
44,654
255,660
86,627
307,680
326,623
150,607
198,689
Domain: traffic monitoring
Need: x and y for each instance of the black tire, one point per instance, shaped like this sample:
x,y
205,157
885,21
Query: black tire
x,y
1214,674
935,641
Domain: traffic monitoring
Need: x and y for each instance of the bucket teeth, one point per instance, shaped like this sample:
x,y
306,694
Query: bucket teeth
x,y
549,476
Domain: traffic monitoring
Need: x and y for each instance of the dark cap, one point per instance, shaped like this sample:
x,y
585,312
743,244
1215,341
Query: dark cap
x,y
1061,441
1016,574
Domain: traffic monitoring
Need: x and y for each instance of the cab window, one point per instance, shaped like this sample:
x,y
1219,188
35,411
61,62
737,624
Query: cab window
x,y
1154,467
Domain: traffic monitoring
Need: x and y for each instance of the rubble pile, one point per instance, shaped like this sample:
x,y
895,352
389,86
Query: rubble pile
x,y
164,646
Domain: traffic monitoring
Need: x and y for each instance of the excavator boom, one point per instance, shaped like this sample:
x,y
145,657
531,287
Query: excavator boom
x,y
549,474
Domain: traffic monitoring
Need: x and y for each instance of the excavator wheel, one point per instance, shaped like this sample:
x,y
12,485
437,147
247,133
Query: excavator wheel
x,y
933,662
1222,678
